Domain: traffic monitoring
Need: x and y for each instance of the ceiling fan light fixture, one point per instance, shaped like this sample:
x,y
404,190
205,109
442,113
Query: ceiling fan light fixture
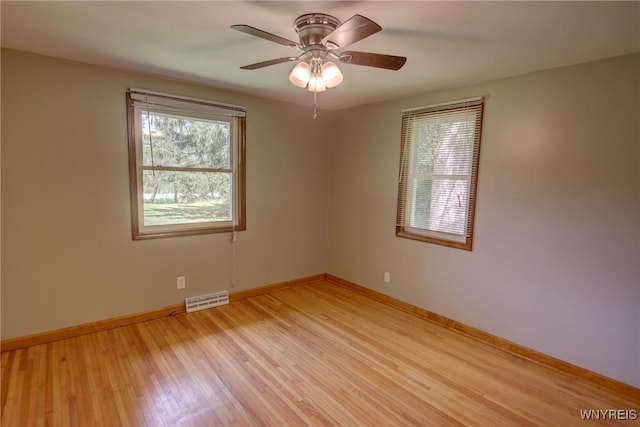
x,y
300,74
331,74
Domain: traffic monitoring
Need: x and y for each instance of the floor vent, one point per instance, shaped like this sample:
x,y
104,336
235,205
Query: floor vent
x,y
206,301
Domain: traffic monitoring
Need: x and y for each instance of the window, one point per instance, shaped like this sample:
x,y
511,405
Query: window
x,y
440,146
186,164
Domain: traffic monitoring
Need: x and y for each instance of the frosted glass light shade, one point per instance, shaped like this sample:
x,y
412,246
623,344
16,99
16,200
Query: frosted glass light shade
x,y
300,74
317,84
331,74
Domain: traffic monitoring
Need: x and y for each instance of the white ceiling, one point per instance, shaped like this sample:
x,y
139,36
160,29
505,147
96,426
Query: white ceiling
x,y
447,43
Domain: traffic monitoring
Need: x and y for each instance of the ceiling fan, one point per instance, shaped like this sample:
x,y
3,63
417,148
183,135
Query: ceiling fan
x,y
321,35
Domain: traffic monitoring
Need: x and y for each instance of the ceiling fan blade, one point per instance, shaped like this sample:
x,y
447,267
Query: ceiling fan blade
x,y
378,60
354,29
267,36
269,62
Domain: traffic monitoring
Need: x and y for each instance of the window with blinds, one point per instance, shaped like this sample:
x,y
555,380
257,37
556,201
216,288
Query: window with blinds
x,y
440,148
187,165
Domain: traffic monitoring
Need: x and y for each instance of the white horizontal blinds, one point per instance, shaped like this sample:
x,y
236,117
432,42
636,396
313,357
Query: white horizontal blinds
x,y
159,101
438,169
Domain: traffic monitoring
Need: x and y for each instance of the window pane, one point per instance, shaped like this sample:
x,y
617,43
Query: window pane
x,y
441,167
186,197
445,147
440,205
171,140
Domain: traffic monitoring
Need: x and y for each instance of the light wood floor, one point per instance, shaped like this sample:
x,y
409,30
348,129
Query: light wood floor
x,y
311,355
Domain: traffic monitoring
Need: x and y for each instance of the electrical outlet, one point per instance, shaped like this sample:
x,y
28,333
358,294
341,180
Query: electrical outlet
x,y
387,277
181,283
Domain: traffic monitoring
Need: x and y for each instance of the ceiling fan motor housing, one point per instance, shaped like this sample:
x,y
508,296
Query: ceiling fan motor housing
x,y
313,27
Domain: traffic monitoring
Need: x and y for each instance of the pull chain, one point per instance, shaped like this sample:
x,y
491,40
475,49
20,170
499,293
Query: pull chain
x,y
315,105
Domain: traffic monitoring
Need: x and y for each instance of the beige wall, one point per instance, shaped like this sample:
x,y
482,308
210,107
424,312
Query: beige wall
x,y
556,260
555,265
67,253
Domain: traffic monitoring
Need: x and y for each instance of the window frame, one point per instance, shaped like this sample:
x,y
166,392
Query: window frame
x,y
408,149
234,115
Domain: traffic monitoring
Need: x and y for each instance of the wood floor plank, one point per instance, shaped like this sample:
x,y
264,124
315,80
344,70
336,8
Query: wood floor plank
x,y
316,355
